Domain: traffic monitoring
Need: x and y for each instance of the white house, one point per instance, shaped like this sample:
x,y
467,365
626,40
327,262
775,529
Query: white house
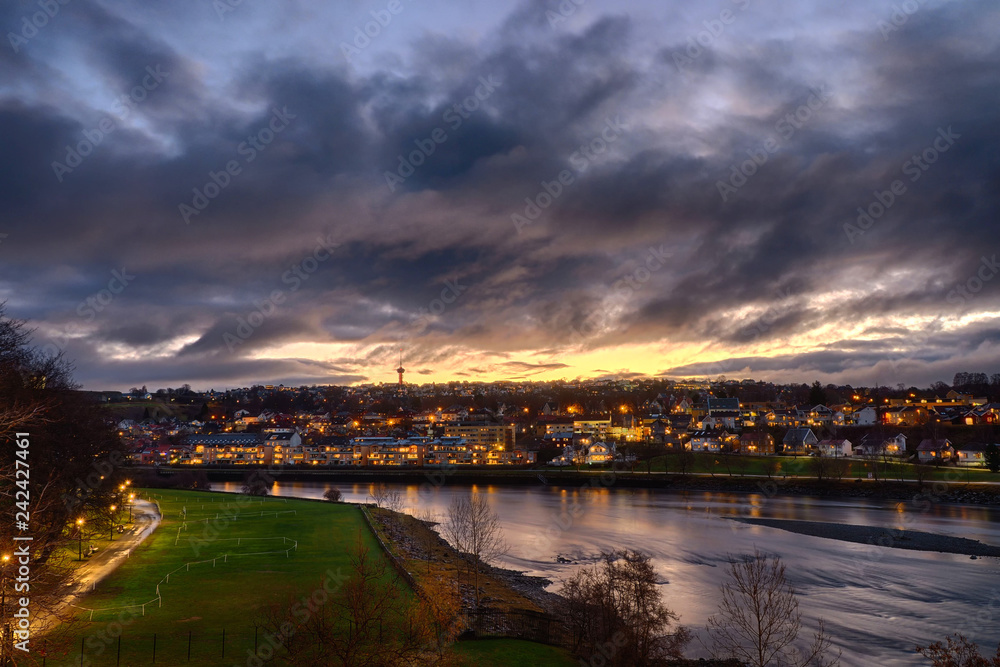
x,y
600,452
896,445
971,454
567,458
820,414
834,448
867,416
708,441
799,441
934,451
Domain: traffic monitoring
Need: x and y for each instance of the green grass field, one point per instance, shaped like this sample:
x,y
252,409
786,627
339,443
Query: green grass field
x,y
510,653
205,598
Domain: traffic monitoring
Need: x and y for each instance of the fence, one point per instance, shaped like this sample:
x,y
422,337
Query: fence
x,y
396,563
197,646
222,558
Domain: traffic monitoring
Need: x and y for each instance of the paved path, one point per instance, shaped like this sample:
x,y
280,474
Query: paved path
x,y
105,561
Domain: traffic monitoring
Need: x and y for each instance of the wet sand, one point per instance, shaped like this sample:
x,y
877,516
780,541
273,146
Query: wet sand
x,y
885,537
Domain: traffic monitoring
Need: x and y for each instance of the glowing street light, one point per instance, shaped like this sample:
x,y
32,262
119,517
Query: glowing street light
x,y
131,499
79,530
113,508
3,587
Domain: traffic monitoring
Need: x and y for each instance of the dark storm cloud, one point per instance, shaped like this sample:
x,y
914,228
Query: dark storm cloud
x,y
770,263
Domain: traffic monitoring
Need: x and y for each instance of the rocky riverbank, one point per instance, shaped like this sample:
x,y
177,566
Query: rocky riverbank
x,y
915,540
427,555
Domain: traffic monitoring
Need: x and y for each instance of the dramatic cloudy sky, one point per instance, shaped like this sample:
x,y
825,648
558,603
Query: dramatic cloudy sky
x,y
642,107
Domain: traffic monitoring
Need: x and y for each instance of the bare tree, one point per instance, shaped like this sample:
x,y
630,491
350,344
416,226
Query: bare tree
x,y
255,484
475,529
921,473
426,537
684,460
333,494
874,456
76,460
617,603
959,651
741,463
386,497
369,619
819,466
758,621
840,467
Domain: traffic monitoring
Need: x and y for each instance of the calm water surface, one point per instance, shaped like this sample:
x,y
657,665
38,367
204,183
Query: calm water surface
x,y
877,602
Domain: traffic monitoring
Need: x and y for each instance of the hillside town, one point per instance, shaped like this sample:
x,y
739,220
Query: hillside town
x,y
552,423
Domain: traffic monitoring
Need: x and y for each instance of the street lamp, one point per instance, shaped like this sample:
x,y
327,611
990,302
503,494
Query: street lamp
x,y
113,508
3,587
131,498
79,530
4,633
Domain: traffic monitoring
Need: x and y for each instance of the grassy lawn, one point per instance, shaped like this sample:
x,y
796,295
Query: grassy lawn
x,y
510,653
206,597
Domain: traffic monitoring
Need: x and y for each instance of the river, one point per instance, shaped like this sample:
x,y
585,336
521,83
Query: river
x,y
878,603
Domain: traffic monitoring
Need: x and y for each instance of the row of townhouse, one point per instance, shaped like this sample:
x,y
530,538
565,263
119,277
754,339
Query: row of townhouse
x,y
287,448
797,441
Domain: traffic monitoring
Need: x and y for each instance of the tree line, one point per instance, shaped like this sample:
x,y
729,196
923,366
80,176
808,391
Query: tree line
x,y
73,460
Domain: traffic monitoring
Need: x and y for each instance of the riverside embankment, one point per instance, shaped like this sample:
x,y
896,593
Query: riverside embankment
x,y
956,490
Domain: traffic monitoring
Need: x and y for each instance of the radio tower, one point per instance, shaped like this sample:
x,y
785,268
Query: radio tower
x,y
400,370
